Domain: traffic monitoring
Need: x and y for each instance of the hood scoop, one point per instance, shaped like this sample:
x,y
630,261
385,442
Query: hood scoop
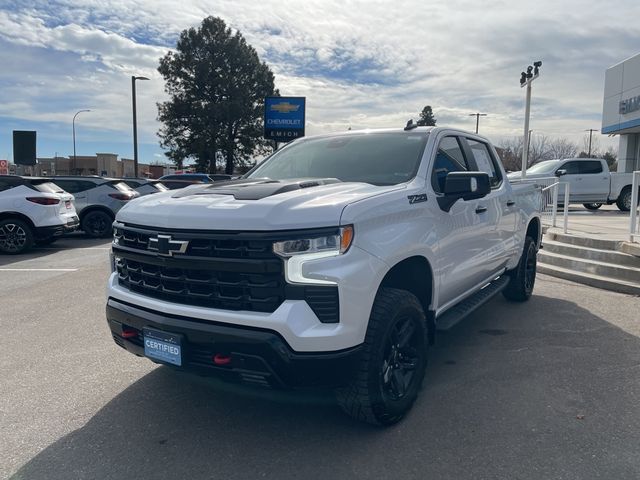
x,y
254,189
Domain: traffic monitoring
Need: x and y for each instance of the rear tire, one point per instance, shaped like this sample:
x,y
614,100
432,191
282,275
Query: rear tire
x,y
393,361
592,206
624,200
523,277
15,236
97,224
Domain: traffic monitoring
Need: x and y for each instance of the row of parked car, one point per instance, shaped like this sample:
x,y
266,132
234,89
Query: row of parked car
x,y
38,210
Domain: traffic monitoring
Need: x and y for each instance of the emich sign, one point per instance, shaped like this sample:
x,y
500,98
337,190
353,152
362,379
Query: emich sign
x,y
284,118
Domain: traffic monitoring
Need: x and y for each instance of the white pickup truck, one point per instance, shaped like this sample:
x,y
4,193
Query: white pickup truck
x,y
329,264
590,181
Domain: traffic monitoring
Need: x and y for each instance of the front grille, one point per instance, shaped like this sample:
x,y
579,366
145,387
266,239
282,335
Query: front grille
x,y
202,245
222,270
206,288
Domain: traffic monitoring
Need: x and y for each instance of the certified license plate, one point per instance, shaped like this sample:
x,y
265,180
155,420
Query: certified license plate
x,y
162,346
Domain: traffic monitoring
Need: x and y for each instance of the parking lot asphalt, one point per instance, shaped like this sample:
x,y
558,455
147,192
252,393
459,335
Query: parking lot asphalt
x,y
544,390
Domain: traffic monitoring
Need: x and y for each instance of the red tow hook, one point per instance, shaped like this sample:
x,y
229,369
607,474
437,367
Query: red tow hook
x,y
129,333
221,359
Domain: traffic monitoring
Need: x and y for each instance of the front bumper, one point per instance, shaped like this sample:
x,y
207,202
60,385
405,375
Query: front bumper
x,y
257,356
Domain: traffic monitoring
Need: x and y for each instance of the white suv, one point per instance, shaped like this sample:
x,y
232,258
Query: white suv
x,y
97,199
33,210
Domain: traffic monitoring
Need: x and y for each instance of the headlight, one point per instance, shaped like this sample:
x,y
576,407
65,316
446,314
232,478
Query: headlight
x,y
330,244
297,252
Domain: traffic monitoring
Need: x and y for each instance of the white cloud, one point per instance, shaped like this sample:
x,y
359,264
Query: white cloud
x,y
360,63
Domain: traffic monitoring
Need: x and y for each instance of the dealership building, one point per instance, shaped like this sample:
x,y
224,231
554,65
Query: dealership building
x,y
621,111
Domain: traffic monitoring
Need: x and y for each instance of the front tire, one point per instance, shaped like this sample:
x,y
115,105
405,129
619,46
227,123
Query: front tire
x,y
592,206
393,360
15,236
523,277
97,224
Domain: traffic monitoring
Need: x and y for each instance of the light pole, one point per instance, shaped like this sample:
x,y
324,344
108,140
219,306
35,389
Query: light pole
x,y
73,126
135,125
591,130
526,78
477,115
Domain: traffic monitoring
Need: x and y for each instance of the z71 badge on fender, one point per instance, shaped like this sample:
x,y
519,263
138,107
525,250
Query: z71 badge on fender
x,y
417,198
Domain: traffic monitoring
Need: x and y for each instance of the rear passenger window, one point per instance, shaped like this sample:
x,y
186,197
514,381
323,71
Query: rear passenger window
x,y
4,186
485,161
449,158
590,167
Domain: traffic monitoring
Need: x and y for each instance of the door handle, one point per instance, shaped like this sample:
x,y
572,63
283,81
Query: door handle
x,y
481,209
510,203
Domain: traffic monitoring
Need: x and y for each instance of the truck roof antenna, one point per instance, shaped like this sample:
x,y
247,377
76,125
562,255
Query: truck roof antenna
x,y
411,125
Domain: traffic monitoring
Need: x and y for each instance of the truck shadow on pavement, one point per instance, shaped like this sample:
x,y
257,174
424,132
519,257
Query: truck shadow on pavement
x,y
542,390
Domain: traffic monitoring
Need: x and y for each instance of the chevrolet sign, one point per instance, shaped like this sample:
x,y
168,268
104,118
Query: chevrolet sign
x,y
629,105
284,118
284,107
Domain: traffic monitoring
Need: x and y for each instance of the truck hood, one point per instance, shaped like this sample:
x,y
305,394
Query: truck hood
x,y
249,204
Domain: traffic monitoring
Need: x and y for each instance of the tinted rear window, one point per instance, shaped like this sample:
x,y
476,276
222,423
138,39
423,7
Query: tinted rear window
x,y
122,187
48,187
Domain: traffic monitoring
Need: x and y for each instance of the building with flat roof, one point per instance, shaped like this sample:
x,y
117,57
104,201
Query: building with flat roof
x,y
621,111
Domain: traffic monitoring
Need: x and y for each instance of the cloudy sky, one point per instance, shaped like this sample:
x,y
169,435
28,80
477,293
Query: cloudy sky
x,y
361,64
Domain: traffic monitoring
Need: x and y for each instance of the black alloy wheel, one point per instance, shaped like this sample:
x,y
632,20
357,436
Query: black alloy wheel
x,y
401,359
97,224
393,360
523,277
15,236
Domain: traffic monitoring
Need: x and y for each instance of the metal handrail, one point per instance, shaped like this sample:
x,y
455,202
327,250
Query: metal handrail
x,y
633,218
555,187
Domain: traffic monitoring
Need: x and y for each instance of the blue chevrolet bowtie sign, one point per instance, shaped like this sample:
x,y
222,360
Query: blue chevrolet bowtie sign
x,y
284,118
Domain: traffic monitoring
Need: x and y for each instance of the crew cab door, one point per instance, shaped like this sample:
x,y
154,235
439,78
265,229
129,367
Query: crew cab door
x,y
464,239
500,204
595,181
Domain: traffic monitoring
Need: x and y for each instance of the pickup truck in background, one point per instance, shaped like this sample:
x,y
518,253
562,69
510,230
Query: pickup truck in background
x,y
330,264
590,181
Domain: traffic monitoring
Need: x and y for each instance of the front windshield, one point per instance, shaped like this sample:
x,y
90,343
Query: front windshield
x,y
544,167
385,158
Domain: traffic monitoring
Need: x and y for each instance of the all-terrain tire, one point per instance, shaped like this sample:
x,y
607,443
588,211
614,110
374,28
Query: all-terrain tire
x,y
392,363
523,277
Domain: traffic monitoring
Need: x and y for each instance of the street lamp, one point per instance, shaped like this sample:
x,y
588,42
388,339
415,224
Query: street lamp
x,y
526,78
477,115
73,126
591,130
135,126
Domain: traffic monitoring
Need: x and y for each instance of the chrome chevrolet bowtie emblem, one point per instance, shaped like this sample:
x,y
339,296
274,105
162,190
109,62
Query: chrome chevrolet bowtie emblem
x,y
165,245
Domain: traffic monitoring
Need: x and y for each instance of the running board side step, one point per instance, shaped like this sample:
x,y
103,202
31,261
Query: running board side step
x,y
452,316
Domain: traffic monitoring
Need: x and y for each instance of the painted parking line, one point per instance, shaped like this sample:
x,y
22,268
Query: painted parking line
x,y
38,269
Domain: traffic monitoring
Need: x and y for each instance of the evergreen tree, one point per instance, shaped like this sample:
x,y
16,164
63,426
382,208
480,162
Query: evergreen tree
x,y
216,85
426,117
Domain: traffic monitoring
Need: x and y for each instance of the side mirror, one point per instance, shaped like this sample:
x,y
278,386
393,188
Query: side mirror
x,y
463,185
560,172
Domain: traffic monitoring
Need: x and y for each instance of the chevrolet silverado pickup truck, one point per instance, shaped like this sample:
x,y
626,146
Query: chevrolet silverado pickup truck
x,y
330,264
590,181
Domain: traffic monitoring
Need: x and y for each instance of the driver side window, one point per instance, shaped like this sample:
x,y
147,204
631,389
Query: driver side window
x,y
449,158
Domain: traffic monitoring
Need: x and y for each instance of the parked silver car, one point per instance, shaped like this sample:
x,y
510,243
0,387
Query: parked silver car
x,y
97,200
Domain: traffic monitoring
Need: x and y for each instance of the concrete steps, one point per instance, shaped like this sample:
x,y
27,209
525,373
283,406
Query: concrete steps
x,y
592,261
